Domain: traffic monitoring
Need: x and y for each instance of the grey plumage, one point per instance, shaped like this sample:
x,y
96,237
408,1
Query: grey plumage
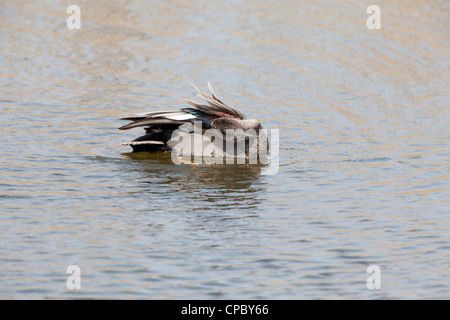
x,y
160,125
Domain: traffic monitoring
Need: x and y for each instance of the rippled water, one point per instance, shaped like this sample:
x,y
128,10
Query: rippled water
x,y
364,179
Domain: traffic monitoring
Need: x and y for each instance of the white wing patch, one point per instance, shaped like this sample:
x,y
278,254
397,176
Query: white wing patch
x,y
185,116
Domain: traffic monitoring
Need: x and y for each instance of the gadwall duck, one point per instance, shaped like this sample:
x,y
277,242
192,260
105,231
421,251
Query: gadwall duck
x,y
163,127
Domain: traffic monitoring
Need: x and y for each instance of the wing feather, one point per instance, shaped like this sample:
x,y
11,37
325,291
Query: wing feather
x,y
214,108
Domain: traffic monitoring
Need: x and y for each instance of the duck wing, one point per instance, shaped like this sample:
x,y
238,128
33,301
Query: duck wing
x,y
168,117
161,124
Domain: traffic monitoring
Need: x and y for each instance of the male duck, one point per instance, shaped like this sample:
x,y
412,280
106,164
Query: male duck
x,y
162,126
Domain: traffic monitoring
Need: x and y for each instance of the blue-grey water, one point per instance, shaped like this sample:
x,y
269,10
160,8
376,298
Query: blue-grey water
x,y
364,176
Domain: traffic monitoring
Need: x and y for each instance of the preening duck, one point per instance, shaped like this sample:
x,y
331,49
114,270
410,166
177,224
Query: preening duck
x,y
162,126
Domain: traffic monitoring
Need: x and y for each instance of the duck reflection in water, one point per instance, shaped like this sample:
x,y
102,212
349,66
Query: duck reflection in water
x,y
195,188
